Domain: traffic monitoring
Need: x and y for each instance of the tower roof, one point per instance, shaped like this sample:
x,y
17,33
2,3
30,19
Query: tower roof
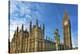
x,y
65,15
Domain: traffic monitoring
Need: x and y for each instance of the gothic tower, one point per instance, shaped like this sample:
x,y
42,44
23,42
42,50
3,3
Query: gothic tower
x,y
67,31
29,39
30,26
57,39
43,37
36,35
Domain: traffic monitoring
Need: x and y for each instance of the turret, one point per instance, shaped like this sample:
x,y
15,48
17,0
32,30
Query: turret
x,y
57,39
22,27
43,28
17,29
37,22
30,26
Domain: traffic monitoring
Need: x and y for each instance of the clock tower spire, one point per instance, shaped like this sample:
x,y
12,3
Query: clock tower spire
x,y
67,31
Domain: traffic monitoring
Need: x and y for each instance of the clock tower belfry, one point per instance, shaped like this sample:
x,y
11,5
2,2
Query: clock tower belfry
x,y
67,31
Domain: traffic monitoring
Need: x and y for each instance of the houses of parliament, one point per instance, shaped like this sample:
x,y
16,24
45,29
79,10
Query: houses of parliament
x,y
33,40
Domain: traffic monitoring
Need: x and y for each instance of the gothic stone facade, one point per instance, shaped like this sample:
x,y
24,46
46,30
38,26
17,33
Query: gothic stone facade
x,y
30,41
33,40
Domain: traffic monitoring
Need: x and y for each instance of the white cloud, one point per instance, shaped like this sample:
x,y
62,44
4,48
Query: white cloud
x,y
22,13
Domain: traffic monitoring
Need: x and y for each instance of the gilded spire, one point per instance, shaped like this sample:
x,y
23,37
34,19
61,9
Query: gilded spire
x,y
65,12
66,15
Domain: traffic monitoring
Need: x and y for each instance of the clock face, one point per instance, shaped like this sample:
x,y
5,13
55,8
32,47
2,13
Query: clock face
x,y
66,22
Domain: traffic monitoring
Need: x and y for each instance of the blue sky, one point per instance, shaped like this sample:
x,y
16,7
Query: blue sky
x,y
51,14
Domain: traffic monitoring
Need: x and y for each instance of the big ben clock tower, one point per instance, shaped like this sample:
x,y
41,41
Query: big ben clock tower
x,y
67,31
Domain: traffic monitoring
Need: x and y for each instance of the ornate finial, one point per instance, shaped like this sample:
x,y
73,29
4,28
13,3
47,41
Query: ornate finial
x,y
37,22
30,25
66,14
22,26
17,28
43,28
